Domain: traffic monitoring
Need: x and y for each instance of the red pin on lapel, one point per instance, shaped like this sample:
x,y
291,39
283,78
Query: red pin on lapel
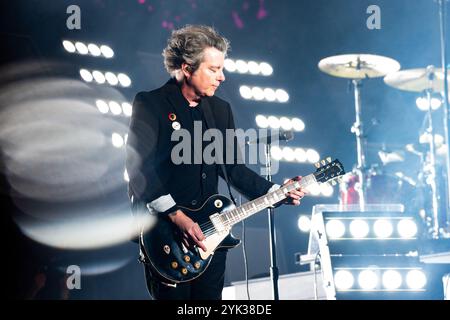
x,y
172,116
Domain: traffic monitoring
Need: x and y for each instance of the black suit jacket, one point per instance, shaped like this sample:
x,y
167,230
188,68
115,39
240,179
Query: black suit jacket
x,y
151,171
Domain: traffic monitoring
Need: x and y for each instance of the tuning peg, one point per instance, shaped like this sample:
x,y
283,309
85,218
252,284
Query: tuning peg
x,y
317,165
323,162
329,159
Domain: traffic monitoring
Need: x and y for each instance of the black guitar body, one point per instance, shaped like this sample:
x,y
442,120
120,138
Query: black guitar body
x,y
163,249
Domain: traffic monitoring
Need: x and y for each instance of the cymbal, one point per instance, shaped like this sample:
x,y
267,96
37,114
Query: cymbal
x,y
358,66
417,80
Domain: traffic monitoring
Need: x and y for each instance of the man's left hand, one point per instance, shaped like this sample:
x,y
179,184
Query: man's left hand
x,y
294,197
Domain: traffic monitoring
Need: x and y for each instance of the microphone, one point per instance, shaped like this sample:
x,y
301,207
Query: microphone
x,y
279,135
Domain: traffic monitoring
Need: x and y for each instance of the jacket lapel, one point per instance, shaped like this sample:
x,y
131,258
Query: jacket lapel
x,y
179,105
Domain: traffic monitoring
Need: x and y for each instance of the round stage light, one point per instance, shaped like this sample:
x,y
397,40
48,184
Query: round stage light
x,y
383,228
416,279
304,223
335,228
69,46
368,279
117,140
407,228
115,108
343,279
266,69
124,80
127,109
392,279
359,228
102,106
246,92
86,75
107,51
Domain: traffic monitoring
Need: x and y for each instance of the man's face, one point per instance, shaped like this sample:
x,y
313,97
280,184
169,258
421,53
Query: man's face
x,y
207,78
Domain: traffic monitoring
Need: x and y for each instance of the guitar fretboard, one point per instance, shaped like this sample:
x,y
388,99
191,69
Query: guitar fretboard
x,y
236,215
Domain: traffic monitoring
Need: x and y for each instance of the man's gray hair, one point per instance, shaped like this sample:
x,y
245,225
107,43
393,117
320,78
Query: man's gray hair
x,y
186,45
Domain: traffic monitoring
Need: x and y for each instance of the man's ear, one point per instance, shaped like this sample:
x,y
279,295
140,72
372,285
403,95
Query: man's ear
x,y
186,69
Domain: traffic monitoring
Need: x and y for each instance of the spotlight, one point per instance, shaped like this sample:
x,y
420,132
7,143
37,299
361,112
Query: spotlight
x,y
407,228
276,153
335,228
94,49
86,75
69,46
253,67
261,121
274,122
343,279
326,189
312,155
102,106
288,154
124,80
229,65
297,124
111,78
246,92
392,279
266,69
359,228
127,109
282,95
304,223
314,189
241,66
115,108
258,93
368,279
117,140
107,51
81,48
383,228
300,155
269,94
416,279
285,123
98,76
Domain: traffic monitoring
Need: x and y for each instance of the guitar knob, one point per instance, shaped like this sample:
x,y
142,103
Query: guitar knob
x,y
174,265
187,258
184,271
197,265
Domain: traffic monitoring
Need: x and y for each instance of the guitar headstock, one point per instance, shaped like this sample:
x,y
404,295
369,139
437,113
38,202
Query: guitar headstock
x,y
328,170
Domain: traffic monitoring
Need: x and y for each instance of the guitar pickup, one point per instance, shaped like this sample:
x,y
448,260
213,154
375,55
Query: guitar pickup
x,y
218,223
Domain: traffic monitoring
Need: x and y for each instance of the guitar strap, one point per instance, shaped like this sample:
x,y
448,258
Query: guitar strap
x,y
209,118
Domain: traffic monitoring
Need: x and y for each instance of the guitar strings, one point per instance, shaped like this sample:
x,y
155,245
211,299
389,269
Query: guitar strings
x,y
209,229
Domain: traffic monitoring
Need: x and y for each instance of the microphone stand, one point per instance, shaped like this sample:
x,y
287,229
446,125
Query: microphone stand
x,y
286,136
272,235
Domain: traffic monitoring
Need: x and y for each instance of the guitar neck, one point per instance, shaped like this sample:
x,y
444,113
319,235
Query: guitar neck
x,y
236,215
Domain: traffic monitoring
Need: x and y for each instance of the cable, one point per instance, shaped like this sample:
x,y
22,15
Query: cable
x,y
244,253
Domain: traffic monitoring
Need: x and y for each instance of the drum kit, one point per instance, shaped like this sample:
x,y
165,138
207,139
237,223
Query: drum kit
x,y
368,184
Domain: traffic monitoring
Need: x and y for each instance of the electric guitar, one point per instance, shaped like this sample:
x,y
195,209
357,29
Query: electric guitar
x,y
169,259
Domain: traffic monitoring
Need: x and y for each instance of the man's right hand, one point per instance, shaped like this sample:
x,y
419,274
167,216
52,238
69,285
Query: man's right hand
x,y
192,234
